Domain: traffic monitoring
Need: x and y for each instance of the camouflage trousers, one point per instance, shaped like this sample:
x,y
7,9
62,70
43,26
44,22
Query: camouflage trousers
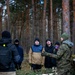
x,y
7,73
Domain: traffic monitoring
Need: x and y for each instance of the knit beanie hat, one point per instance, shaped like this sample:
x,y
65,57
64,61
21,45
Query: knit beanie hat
x,y
36,39
65,36
16,40
57,43
6,34
48,40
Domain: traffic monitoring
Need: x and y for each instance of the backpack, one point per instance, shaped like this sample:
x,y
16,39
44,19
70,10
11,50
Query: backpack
x,y
5,57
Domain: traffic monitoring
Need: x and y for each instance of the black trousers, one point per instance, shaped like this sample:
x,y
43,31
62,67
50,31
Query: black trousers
x,y
35,67
18,66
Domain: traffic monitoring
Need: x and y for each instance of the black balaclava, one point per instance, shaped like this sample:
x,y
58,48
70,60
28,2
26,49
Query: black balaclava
x,y
16,41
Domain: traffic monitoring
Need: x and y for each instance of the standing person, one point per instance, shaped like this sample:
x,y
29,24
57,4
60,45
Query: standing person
x,y
35,59
57,45
8,54
48,48
63,55
20,51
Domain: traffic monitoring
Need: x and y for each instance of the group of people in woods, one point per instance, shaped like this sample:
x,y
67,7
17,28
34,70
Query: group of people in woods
x,y
57,55
36,60
52,56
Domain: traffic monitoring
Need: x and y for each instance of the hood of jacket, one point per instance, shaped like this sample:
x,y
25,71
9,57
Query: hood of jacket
x,y
69,43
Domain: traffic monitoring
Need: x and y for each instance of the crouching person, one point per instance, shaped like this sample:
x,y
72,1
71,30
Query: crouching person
x,y
36,61
8,54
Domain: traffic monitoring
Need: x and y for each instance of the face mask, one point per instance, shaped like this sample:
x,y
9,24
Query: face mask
x,y
16,44
56,47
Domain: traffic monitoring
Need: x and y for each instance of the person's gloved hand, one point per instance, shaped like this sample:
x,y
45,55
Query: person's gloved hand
x,y
44,54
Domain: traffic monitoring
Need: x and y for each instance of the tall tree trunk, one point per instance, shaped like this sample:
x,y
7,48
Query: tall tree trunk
x,y
55,28
21,30
8,18
50,25
32,26
55,25
0,20
35,18
73,30
66,16
49,21
44,23
41,27
51,9
27,30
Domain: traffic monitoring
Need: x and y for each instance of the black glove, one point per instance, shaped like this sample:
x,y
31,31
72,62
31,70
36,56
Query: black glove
x,y
45,54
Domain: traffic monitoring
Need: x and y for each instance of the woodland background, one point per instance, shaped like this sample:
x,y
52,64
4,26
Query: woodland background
x,y
27,19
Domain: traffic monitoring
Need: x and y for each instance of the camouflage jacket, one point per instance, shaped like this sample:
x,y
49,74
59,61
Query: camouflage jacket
x,y
63,55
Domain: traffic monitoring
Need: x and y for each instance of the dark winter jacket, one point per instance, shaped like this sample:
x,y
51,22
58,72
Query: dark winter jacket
x,y
48,60
53,59
20,51
15,56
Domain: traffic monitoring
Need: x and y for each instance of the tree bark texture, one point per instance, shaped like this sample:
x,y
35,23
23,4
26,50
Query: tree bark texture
x,y
66,16
0,20
51,9
73,28
44,23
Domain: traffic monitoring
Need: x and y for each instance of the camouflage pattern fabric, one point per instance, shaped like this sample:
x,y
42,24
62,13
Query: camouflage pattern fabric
x,y
63,58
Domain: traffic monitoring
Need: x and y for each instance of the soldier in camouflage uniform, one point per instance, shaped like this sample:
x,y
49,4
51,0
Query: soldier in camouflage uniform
x,y
63,55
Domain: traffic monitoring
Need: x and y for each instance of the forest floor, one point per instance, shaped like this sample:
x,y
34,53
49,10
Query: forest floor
x,y
26,69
